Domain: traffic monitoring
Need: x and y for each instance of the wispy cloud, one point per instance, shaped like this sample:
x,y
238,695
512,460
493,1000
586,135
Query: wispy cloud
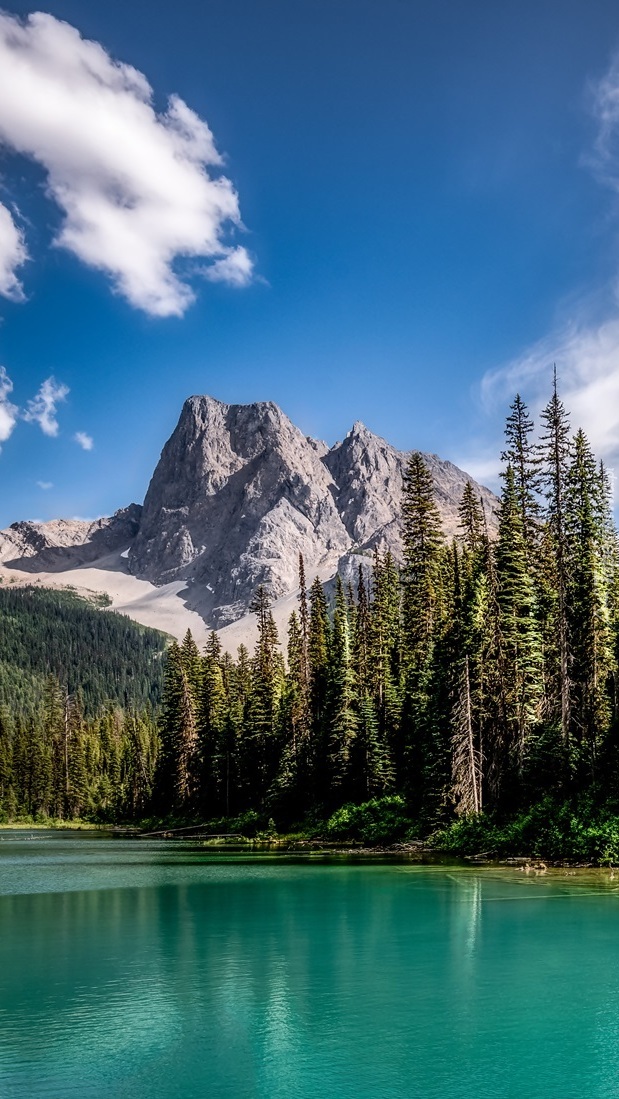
x,y
484,466
41,409
139,189
45,485
13,254
235,268
8,411
584,349
85,441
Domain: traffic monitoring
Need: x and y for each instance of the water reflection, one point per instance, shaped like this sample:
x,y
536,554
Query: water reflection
x,y
164,977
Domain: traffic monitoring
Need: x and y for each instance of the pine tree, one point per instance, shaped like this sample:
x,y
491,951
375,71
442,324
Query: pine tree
x,y
554,455
55,746
237,682
521,649
422,541
179,764
360,618
382,704
466,766
297,695
303,625
187,765
291,791
422,610
7,777
192,665
471,520
266,688
592,643
212,715
343,717
520,455
319,647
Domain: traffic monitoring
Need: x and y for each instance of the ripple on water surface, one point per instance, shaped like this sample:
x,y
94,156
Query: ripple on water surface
x,y
156,971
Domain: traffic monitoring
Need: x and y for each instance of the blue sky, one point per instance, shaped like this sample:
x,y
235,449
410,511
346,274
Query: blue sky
x,y
416,214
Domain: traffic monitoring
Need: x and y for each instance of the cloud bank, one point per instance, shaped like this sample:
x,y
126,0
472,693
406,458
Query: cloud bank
x,y
138,189
12,254
586,352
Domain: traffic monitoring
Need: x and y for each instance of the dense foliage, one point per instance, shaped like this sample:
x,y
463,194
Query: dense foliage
x,y
101,657
478,678
78,736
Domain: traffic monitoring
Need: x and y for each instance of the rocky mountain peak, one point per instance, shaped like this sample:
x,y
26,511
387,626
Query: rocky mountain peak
x,y
360,432
238,493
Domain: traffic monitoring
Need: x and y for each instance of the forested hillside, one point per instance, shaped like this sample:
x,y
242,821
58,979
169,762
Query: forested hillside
x,y
101,657
79,688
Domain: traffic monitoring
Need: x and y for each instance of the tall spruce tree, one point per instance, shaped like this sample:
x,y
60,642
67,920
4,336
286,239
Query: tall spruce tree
x,y
554,455
588,606
466,765
471,520
212,721
319,648
422,619
265,694
521,457
521,681
343,693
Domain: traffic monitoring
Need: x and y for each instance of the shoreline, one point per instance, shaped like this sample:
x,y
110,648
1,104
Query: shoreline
x,y
414,852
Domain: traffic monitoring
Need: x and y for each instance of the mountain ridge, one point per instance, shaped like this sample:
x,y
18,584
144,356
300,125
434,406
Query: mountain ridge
x,y
238,492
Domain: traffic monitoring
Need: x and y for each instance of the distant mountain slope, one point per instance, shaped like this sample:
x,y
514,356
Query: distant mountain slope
x,y
237,494
67,543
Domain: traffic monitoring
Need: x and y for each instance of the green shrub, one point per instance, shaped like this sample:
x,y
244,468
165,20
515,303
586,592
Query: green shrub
x,y
557,832
381,820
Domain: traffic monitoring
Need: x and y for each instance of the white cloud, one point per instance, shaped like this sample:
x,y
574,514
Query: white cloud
x,y
85,441
8,411
587,361
41,409
484,467
12,254
585,350
136,186
45,485
235,268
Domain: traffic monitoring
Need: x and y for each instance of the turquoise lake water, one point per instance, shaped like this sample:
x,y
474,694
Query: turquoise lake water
x,y
154,971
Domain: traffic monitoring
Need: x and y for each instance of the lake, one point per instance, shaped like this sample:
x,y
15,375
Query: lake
x,y
157,970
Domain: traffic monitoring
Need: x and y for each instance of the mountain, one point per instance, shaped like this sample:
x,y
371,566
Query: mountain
x,y
67,543
237,494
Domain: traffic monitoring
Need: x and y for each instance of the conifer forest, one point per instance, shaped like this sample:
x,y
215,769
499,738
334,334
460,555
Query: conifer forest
x,y
474,680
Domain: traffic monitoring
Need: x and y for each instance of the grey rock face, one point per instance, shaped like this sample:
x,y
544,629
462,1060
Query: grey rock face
x,y
369,474
238,493
67,543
